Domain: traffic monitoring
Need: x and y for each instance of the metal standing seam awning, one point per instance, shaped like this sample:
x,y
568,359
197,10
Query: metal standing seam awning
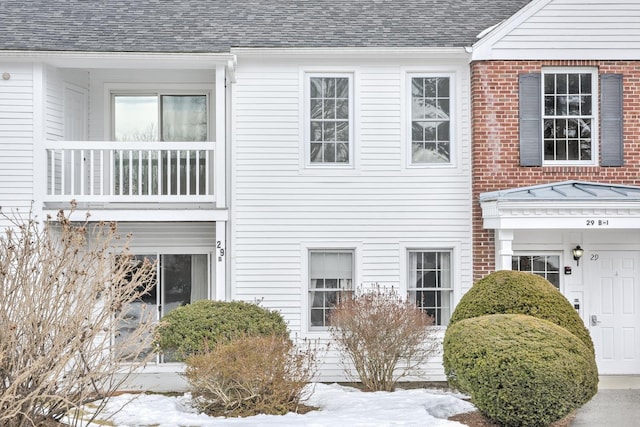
x,y
562,205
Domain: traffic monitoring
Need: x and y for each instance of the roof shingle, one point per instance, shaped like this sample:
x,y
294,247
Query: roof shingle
x,y
217,25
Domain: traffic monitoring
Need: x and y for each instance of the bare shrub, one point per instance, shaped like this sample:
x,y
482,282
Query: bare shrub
x,y
383,337
64,295
251,375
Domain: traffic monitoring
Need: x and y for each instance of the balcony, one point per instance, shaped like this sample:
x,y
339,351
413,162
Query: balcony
x,y
134,174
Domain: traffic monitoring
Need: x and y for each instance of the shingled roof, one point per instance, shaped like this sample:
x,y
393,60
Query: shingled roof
x,y
218,25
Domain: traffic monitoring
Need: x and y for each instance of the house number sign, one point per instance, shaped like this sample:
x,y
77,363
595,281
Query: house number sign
x,y
220,250
597,223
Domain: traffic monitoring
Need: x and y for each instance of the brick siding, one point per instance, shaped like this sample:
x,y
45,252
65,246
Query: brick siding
x,y
496,157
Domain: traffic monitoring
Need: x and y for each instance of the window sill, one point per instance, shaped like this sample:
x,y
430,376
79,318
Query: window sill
x,y
431,166
329,170
579,170
317,333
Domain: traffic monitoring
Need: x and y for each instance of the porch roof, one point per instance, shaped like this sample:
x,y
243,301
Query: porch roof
x,y
566,191
216,26
563,205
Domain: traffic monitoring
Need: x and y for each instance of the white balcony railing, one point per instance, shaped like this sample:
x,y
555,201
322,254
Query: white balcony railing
x,y
133,172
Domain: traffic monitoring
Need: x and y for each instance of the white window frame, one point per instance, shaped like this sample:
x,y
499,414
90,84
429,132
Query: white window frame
x,y
158,361
333,246
453,125
324,290
452,278
595,114
150,89
158,90
533,253
307,120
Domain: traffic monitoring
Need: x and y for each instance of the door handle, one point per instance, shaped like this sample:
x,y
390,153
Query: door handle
x,y
594,320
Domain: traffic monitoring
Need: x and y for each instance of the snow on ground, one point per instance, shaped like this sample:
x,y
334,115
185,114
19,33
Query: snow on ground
x,y
339,406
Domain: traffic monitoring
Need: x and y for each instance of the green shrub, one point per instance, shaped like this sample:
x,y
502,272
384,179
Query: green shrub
x,y
515,292
192,328
251,375
520,370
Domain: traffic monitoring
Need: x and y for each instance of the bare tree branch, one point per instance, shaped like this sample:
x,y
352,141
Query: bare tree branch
x,y
65,292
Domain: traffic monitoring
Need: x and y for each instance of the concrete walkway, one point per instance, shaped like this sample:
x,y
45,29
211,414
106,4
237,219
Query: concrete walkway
x,y
617,404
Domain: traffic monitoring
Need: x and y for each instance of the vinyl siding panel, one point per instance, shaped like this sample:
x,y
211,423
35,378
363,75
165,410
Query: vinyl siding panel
x,y
16,138
165,237
54,114
380,207
54,105
571,29
581,22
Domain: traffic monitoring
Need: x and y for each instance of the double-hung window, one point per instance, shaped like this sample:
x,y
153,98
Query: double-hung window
x,y
547,266
569,116
329,119
330,279
430,283
431,109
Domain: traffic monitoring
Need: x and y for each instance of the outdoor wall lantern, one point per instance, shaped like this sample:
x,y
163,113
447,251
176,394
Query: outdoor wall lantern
x,y
577,253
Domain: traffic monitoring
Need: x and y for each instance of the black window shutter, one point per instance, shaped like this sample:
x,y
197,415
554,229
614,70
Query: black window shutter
x,y
530,120
611,120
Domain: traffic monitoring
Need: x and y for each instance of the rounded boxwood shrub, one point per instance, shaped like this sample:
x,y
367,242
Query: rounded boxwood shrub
x,y
515,292
520,370
192,328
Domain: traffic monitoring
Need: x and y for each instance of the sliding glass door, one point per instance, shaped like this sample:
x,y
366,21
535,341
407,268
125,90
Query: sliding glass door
x,y
180,280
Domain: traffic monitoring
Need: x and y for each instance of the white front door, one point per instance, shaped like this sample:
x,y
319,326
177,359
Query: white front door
x,y
614,309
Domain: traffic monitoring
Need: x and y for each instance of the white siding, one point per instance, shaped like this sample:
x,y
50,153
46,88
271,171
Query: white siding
x,y
280,208
54,105
16,136
568,29
173,237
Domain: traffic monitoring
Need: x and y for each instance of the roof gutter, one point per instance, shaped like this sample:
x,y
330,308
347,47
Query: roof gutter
x,y
361,52
162,60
